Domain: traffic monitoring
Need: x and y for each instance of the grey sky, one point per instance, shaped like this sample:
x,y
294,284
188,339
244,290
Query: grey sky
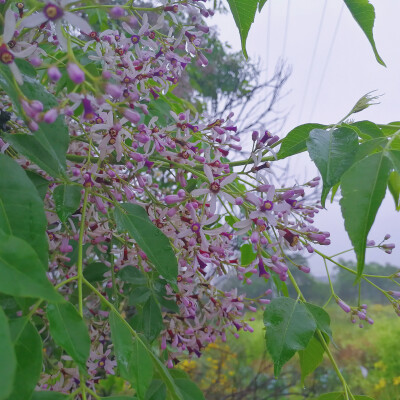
x,y
352,71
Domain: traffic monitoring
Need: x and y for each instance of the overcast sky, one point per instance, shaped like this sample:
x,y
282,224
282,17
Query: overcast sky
x,y
343,69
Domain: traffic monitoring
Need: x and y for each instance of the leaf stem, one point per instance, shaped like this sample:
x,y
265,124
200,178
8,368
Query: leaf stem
x,y
323,342
329,278
73,278
95,395
83,385
80,251
335,366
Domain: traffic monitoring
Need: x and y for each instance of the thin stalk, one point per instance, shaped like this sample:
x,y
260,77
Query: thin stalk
x,y
110,306
73,278
80,251
335,366
83,386
323,342
329,278
80,277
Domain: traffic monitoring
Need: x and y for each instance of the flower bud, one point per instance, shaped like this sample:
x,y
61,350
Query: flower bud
x,y
50,116
117,12
54,73
75,73
131,115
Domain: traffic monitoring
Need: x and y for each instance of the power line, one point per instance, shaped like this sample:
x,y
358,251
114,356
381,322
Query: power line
x,y
327,61
286,29
312,59
269,11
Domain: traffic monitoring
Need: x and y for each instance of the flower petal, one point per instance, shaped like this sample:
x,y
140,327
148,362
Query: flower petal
x,y
228,179
228,197
184,233
78,22
9,25
216,231
64,3
33,20
60,37
211,220
199,192
213,203
208,172
242,224
26,52
16,73
256,214
253,199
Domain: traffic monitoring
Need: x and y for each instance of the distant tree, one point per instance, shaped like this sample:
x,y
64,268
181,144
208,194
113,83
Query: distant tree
x,y
230,83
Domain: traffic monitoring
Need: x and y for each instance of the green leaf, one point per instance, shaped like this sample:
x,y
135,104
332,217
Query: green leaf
x,y
369,147
363,398
168,304
8,363
140,294
367,129
290,327
21,272
119,398
167,379
310,358
47,395
40,183
157,390
321,317
364,13
28,351
363,189
37,149
132,275
333,152
243,12
94,272
134,362
281,286
69,331
334,191
152,319
134,219
247,255
21,209
340,396
47,146
296,140
261,4
67,199
230,220
189,390
394,187
390,128
394,156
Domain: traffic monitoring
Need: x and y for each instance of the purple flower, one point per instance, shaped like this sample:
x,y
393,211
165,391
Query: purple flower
x,y
50,116
88,112
114,90
6,54
54,73
75,73
132,116
55,13
345,307
117,12
214,188
394,293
